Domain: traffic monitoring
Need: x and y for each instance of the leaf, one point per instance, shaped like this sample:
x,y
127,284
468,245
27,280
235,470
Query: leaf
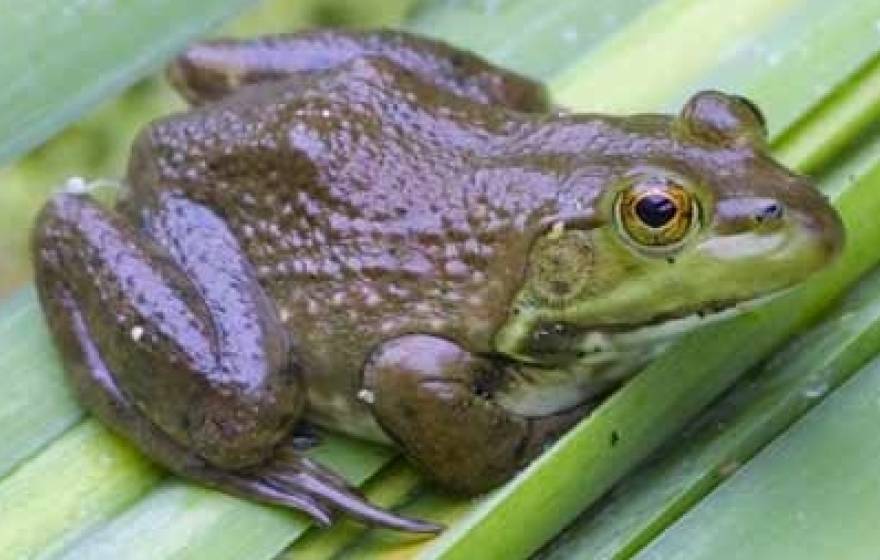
x,y
62,57
514,34
626,68
178,520
37,406
812,493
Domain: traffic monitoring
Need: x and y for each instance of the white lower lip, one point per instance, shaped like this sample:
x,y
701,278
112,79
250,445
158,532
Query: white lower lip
x,y
743,246
608,359
672,328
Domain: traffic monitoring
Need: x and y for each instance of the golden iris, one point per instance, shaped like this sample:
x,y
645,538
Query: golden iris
x,y
657,213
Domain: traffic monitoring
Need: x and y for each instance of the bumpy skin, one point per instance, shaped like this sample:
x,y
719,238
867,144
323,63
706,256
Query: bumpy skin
x,y
211,70
362,228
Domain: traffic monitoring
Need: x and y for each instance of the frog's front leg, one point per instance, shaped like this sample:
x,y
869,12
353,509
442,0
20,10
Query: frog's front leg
x,y
434,398
212,69
169,339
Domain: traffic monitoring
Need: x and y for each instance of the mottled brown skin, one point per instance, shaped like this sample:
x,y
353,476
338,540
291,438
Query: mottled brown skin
x,y
343,229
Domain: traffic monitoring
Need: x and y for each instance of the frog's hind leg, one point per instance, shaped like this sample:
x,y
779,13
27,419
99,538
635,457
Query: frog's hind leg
x,y
288,480
210,70
166,339
98,391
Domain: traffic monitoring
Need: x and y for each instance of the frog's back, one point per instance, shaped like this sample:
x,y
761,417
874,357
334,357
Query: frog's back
x,y
359,200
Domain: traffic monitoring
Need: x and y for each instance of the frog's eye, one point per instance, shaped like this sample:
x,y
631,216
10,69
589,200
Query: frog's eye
x,y
656,214
757,114
724,119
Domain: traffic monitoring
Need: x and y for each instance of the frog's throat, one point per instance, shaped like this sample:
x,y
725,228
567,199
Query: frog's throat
x,y
598,361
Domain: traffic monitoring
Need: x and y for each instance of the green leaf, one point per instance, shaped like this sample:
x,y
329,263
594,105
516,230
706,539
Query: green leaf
x,y
178,520
812,493
61,57
80,481
844,114
37,406
651,63
515,34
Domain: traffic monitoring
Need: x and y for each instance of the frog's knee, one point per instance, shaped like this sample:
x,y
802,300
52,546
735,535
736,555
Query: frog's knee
x,y
211,371
239,430
64,217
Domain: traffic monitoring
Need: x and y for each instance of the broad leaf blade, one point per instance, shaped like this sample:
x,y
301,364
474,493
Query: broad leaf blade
x,y
514,34
222,533
813,493
61,57
37,406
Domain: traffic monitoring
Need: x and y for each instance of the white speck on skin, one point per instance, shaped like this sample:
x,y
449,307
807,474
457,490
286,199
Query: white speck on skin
x,y
338,298
325,113
76,185
312,307
372,299
284,314
137,332
366,396
105,189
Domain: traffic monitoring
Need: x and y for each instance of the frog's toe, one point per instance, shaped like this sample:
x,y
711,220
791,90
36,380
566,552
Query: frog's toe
x,y
273,490
292,480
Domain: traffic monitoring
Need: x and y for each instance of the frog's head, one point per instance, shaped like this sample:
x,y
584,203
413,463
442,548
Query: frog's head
x,y
698,220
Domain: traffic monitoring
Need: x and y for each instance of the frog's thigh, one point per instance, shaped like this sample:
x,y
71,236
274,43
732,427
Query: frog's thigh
x,y
213,69
195,347
433,398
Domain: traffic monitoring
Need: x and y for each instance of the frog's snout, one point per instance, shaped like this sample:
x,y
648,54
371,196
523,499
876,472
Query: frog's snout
x,y
816,221
827,231
794,231
750,214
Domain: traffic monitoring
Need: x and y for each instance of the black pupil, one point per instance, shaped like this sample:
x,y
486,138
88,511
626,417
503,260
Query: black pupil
x,y
655,210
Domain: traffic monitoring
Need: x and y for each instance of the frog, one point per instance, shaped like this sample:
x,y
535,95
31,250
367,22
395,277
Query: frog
x,y
382,235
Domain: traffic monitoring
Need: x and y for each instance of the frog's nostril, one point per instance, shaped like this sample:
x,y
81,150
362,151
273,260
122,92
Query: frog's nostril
x,y
772,211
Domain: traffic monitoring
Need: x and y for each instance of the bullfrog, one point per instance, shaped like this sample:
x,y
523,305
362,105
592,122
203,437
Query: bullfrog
x,y
385,236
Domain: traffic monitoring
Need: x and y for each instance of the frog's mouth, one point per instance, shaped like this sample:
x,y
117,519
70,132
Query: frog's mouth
x,y
570,365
